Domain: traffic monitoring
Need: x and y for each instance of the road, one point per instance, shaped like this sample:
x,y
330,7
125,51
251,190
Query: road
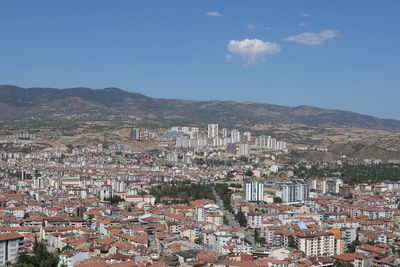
x,y
248,234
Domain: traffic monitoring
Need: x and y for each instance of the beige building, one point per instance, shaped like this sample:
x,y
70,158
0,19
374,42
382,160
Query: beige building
x,y
317,244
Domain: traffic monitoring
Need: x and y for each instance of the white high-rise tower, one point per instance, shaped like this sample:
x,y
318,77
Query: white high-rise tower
x,y
212,130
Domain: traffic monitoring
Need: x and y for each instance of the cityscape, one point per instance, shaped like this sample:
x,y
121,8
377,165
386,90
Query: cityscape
x,y
199,133
206,197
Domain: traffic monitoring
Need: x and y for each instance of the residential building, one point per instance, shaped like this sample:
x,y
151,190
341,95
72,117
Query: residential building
x,y
212,130
295,192
11,244
317,244
254,191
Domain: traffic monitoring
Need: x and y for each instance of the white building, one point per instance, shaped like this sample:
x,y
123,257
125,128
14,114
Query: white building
x,y
295,193
217,142
254,191
280,145
212,130
317,244
243,149
11,245
327,185
254,220
246,137
224,133
135,134
235,136
173,157
270,143
185,142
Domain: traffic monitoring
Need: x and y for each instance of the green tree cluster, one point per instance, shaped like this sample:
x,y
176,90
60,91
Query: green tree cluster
x,y
249,173
351,248
354,174
40,258
223,192
342,264
259,239
114,199
183,190
292,242
241,218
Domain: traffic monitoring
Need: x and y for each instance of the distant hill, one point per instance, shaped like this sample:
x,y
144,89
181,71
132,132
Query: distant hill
x,y
18,103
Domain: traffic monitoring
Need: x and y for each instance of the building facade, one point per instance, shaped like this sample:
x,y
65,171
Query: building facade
x,y
212,130
11,244
254,191
295,192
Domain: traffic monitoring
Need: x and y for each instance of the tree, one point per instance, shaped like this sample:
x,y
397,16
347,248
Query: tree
x,y
292,242
182,191
241,218
67,247
223,192
243,159
90,220
256,234
277,200
230,174
226,222
41,257
351,248
342,264
349,196
249,173
259,239
114,199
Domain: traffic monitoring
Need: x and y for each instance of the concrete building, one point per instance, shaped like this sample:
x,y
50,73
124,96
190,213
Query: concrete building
x,y
11,245
235,136
327,185
224,133
212,130
135,134
246,138
317,244
243,149
270,143
295,193
254,191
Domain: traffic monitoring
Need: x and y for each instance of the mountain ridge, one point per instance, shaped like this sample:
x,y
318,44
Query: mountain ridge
x,y
17,103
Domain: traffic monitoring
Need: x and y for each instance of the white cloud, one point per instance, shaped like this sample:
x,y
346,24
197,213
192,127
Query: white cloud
x,y
313,38
305,15
213,14
302,24
268,28
251,26
253,50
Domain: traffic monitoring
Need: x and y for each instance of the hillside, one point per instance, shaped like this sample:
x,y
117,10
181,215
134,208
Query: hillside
x,y
18,103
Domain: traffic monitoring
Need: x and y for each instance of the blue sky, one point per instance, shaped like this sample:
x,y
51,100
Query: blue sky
x,y
334,54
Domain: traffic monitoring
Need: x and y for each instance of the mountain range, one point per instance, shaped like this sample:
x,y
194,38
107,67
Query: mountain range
x,y
17,103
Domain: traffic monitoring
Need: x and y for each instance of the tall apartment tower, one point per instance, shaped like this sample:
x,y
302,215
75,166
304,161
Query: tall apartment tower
x,y
212,130
235,136
295,192
224,133
246,137
254,191
135,134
